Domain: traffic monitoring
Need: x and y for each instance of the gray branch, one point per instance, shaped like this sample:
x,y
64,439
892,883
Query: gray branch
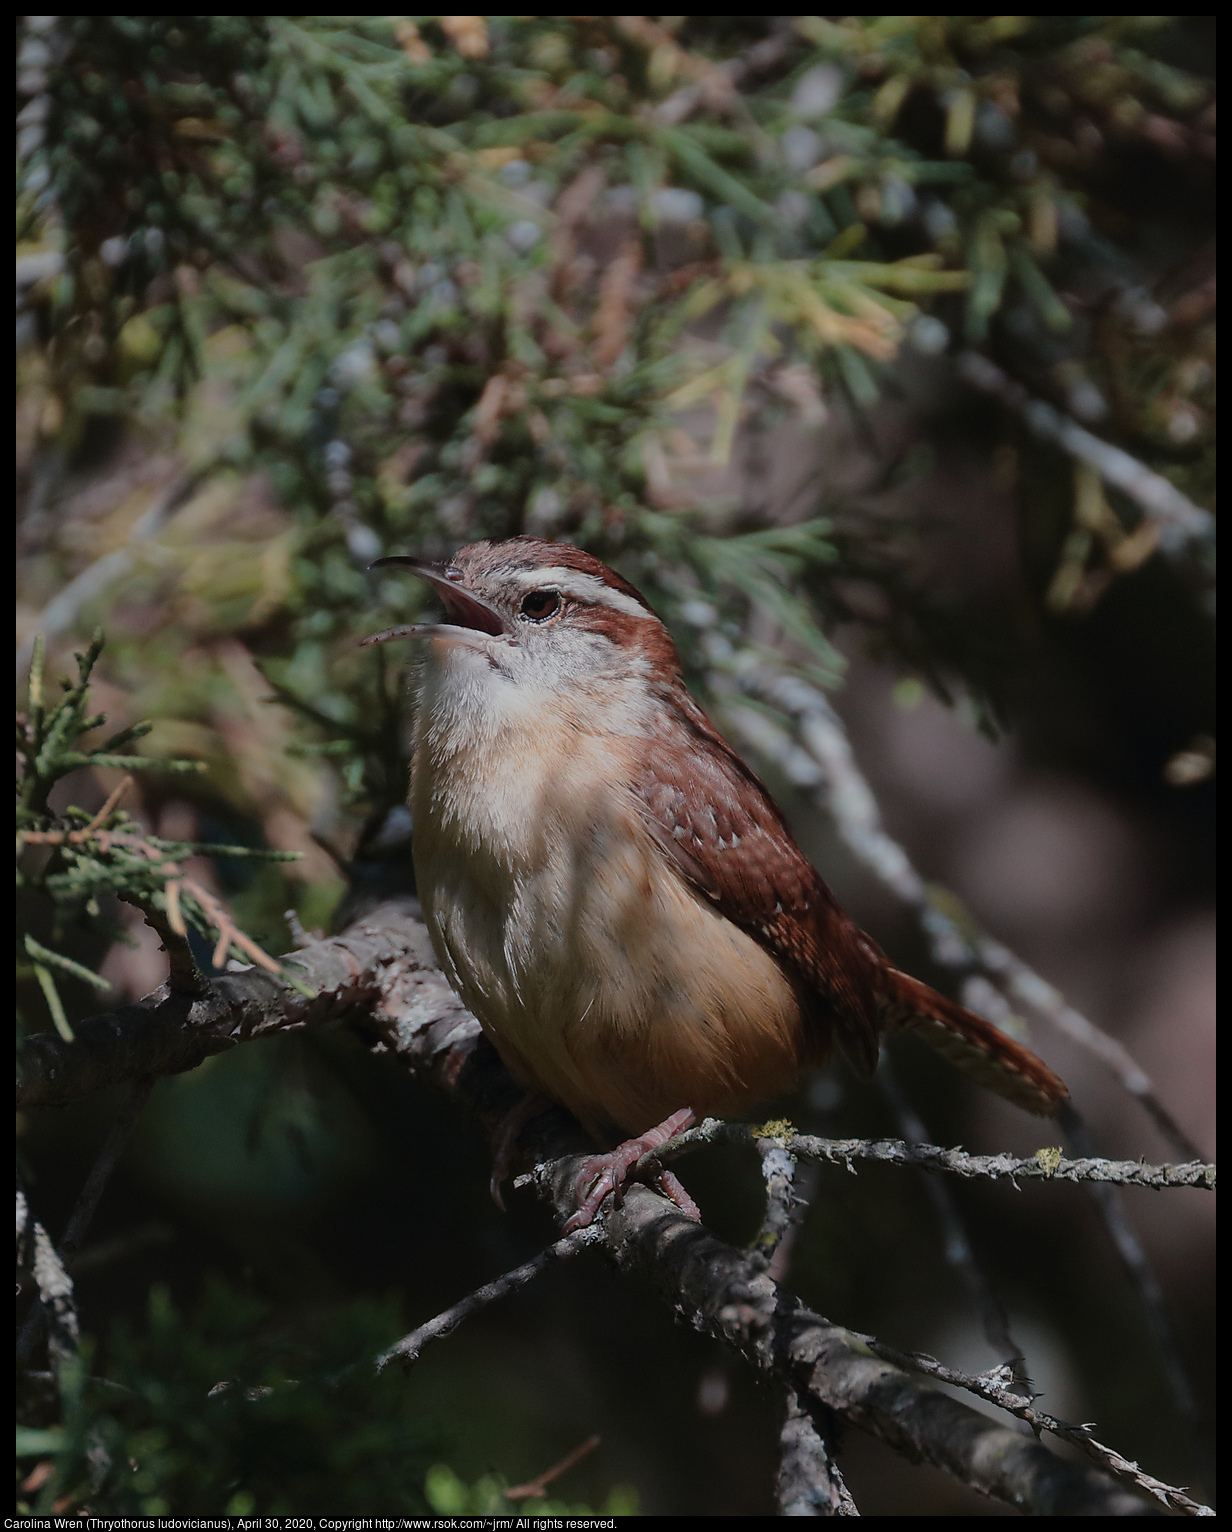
x,y
1044,1165
824,761
992,1386
959,1251
783,1208
1180,521
722,1293
55,1286
61,612
408,1349
1133,1257
809,1481
82,1215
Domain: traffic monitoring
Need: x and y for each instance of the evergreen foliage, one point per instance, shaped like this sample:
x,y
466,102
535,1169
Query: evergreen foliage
x,y
79,858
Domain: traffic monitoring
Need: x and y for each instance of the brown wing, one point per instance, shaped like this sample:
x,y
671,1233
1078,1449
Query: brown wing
x,y
724,833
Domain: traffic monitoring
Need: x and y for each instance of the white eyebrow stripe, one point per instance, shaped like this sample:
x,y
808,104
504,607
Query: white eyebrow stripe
x,y
585,587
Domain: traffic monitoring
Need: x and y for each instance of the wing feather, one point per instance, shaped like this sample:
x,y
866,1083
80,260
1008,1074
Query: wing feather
x,y
724,833
721,828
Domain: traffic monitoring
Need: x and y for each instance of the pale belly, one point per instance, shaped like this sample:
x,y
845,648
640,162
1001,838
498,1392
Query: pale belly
x,y
603,980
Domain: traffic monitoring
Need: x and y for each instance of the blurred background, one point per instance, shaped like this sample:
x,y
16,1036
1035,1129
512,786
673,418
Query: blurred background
x,y
693,293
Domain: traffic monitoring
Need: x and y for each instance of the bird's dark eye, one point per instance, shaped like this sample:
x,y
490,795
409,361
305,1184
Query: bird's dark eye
x,y
540,604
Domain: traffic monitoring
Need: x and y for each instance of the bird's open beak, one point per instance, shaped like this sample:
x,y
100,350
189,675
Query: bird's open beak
x,y
469,615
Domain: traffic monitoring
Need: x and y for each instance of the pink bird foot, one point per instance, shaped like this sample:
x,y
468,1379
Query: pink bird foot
x,y
605,1174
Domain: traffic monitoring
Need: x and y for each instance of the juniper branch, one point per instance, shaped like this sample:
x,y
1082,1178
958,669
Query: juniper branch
x,y
1044,1165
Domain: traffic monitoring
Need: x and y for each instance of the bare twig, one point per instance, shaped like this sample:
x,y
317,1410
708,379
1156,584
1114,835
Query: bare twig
x,y
992,1386
845,792
229,934
100,1173
407,1350
724,1294
1180,521
1044,1165
105,812
82,1215
803,1188
809,1482
534,1489
1133,1258
55,1286
958,1249
778,1167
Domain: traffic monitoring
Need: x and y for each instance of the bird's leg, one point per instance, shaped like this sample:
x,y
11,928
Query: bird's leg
x,y
531,1104
607,1173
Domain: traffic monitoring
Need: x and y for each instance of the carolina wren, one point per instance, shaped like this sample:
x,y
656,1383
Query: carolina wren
x,y
608,886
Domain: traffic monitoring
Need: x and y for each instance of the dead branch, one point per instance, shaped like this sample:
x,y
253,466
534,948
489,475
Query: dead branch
x,y
55,1286
992,1386
410,1346
1044,1165
959,1251
82,1215
535,1489
827,763
809,1481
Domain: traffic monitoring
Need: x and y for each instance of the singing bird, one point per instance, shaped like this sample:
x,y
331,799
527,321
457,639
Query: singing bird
x,y
611,890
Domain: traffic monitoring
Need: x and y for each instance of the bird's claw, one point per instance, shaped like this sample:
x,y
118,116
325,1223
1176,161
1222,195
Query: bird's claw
x,y
604,1175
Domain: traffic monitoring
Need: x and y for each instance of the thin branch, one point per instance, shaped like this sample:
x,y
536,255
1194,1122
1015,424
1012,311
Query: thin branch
x,y
991,1386
809,1482
958,1248
408,1349
783,1210
1180,521
534,1489
55,1286
844,791
1133,1258
804,1187
721,1292
229,934
83,1214
1044,1164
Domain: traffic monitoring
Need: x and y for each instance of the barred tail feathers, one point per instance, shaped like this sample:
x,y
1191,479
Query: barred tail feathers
x,y
974,1045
